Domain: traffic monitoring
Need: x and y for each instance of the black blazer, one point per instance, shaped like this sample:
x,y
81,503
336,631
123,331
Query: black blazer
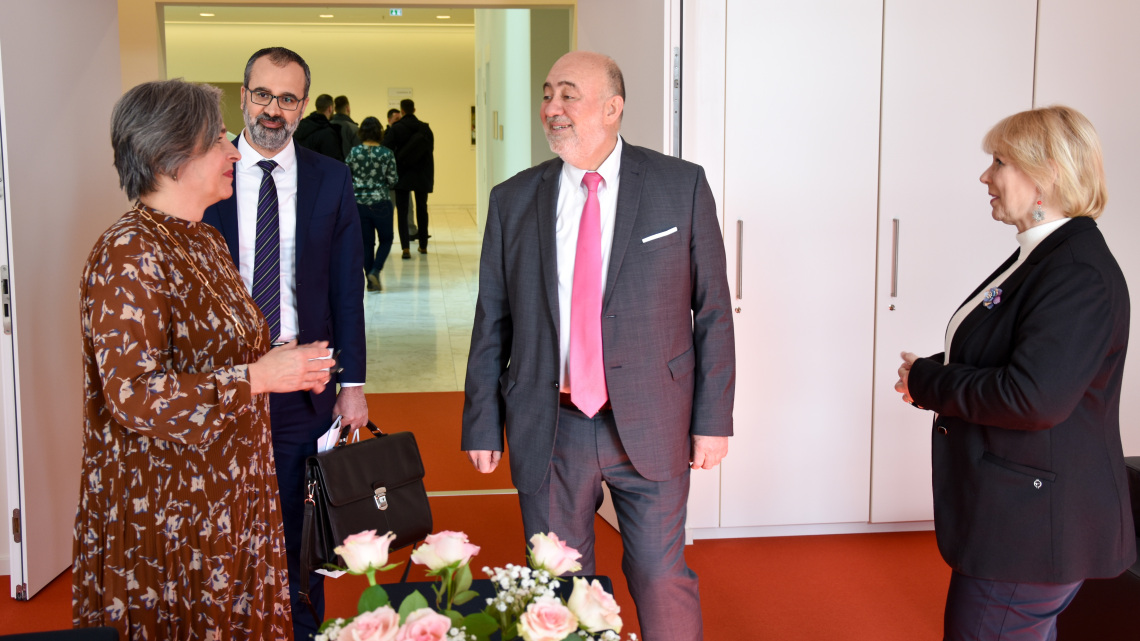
x,y
1028,468
329,276
413,143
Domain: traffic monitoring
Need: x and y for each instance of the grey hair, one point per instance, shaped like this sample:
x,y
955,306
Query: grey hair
x,y
615,77
281,57
156,127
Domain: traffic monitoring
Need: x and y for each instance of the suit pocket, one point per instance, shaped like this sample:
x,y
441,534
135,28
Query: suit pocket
x,y
1030,472
683,364
661,242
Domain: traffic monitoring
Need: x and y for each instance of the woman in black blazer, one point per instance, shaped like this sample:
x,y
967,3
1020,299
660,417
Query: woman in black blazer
x,y
1030,493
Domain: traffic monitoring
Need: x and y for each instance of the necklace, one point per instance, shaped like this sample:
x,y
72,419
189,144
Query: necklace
x,y
202,279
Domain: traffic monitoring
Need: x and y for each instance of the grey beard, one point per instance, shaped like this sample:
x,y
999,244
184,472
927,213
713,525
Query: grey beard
x,y
271,139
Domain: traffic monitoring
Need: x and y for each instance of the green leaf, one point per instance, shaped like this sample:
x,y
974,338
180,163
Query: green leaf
x,y
479,624
414,601
373,597
456,618
511,631
463,579
464,597
389,567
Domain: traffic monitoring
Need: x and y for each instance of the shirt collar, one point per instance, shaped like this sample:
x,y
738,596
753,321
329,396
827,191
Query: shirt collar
x,y
250,156
1030,238
609,169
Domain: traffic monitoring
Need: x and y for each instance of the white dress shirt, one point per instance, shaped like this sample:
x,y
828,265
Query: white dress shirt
x,y
1029,240
571,200
247,185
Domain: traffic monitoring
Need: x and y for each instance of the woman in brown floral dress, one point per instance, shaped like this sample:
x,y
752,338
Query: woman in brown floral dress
x,y
178,533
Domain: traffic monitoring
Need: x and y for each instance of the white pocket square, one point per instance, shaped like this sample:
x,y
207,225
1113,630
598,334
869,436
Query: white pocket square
x,y
659,235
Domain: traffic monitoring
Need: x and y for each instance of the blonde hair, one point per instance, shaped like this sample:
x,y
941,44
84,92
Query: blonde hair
x,y
1055,146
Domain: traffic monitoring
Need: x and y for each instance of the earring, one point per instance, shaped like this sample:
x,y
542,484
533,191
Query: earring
x,y
1038,212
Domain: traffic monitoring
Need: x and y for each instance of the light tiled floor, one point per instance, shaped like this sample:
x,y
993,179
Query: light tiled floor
x,y
419,327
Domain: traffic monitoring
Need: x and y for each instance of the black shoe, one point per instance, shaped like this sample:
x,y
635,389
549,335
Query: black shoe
x,y
407,255
423,250
374,282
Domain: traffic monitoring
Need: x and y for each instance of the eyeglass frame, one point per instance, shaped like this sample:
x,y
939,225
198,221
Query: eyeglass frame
x,y
272,98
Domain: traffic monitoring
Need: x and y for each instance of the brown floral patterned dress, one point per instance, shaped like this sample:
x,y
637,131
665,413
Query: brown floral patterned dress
x,y
178,533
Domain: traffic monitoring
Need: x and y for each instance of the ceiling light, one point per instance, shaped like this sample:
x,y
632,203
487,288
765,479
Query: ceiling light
x,y
444,17
326,15
206,15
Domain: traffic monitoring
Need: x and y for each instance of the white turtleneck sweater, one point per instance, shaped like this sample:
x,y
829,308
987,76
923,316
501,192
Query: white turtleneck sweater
x,y
1029,240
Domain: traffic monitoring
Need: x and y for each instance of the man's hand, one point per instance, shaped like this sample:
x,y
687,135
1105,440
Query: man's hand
x,y
485,460
708,451
351,406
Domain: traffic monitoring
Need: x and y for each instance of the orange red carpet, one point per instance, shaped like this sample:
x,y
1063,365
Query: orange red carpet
x,y
864,587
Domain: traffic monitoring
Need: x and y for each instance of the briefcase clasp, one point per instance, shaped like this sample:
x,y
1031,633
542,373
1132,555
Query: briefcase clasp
x,y
380,495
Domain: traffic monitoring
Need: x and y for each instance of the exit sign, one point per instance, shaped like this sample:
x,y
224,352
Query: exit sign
x,y
396,12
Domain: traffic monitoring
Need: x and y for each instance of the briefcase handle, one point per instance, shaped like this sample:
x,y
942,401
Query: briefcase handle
x,y
346,430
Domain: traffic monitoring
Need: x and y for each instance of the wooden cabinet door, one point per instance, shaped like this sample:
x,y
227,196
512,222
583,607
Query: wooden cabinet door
x,y
801,160
951,70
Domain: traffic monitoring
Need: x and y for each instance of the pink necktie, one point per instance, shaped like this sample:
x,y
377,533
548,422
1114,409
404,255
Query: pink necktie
x,y
587,370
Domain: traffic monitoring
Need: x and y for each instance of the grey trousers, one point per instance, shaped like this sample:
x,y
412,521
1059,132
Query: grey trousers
x,y
985,610
651,516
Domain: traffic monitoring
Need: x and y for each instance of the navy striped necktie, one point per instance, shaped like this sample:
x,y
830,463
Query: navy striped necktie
x,y
267,252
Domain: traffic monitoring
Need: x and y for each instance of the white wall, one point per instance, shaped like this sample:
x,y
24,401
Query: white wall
x,y
60,78
361,62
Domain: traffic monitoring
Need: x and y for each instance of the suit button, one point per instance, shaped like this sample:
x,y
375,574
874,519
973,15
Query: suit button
x,y
555,383
1037,483
943,430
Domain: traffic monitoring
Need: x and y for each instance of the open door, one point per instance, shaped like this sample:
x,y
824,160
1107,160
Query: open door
x,y
59,79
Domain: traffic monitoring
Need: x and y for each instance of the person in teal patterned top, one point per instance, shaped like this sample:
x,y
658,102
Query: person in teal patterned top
x,y
373,176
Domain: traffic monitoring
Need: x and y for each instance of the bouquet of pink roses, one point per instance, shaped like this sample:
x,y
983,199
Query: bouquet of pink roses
x,y
525,603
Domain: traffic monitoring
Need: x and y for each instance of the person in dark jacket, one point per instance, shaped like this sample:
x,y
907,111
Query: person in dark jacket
x,y
318,133
349,130
1030,489
413,143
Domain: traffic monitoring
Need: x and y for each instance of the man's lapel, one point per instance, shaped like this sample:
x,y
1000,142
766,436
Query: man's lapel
x,y
228,219
308,185
629,199
546,203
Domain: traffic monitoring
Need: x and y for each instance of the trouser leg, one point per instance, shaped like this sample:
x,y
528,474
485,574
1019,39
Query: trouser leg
x,y
402,199
422,217
985,610
295,429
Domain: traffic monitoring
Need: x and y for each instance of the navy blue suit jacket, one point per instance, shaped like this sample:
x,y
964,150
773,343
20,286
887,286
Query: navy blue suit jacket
x,y
329,269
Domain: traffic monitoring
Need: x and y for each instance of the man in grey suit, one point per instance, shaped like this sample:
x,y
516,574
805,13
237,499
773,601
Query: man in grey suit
x,y
603,341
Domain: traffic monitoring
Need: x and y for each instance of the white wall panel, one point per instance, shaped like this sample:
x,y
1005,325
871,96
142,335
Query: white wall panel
x,y
948,77
801,158
1088,57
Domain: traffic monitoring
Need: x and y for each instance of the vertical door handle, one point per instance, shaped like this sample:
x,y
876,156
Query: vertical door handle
x,y
739,259
895,258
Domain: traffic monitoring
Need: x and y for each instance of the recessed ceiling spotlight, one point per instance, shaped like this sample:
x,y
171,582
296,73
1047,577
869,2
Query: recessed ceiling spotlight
x,y
326,15
206,15
444,17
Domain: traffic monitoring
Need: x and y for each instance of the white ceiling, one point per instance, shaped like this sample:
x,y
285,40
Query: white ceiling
x,y
230,14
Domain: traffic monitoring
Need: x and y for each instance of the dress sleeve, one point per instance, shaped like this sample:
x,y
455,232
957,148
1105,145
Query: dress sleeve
x,y
388,168
130,288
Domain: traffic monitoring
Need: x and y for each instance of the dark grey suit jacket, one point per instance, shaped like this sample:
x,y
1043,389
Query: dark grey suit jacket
x,y
1029,477
667,331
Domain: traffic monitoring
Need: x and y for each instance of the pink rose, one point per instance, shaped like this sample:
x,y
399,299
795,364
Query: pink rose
x,y
546,619
444,549
381,624
365,551
595,608
425,625
553,555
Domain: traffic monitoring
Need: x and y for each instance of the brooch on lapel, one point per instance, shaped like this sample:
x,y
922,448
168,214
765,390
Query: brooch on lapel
x,y
992,298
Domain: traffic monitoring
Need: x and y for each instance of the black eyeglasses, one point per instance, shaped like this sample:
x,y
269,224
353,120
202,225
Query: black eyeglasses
x,y
264,98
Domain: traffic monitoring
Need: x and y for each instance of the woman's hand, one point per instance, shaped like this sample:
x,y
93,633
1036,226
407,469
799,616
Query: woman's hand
x,y
902,386
292,368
